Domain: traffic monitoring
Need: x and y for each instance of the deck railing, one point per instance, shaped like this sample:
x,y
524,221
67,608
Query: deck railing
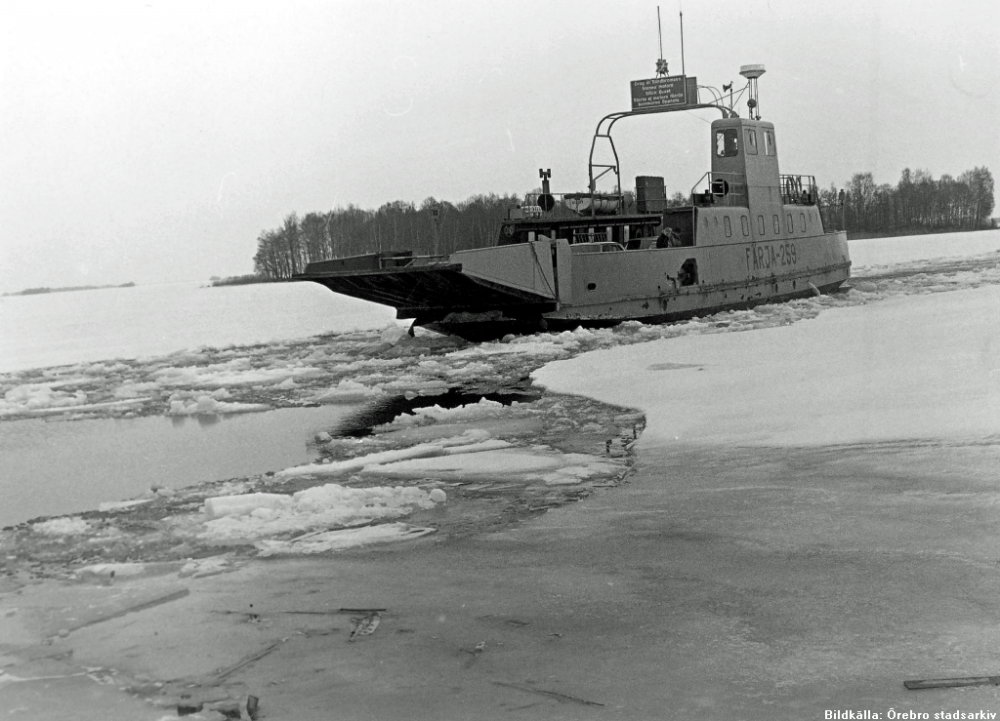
x,y
799,190
583,235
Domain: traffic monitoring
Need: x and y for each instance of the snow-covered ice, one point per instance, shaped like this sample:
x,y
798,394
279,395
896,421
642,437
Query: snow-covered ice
x,y
342,539
360,367
467,413
145,321
914,367
64,526
504,463
701,381
255,516
193,404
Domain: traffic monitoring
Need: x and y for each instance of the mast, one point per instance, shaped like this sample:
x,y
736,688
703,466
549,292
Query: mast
x,y
682,43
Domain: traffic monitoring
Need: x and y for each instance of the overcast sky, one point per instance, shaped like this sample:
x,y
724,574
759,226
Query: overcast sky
x,y
152,141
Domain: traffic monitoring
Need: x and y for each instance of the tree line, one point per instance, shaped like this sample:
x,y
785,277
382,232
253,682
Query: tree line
x,y
434,227
918,203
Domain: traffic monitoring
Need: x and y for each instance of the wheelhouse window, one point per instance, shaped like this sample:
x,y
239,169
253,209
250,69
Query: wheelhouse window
x,y
760,224
777,224
745,222
729,226
751,141
727,143
769,148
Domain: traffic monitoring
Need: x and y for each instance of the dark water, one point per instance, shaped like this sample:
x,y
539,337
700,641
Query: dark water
x,y
360,422
51,467
56,467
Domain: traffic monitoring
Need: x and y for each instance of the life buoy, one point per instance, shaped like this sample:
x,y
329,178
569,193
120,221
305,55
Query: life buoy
x,y
720,187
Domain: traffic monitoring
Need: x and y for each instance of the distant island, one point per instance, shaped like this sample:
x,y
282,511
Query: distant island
x,y
218,282
67,289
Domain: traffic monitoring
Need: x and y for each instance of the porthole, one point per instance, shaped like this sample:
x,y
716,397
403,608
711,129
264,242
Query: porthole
x,y
591,286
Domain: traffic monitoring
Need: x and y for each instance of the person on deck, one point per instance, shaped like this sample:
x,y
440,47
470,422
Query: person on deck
x,y
668,238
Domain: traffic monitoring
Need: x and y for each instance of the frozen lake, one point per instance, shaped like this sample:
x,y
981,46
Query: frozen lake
x,y
81,326
72,466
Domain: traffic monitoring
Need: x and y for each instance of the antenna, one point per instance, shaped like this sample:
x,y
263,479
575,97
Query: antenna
x,y
682,43
751,73
659,30
661,64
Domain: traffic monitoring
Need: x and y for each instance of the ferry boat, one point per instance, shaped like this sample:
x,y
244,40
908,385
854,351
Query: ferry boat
x,y
746,235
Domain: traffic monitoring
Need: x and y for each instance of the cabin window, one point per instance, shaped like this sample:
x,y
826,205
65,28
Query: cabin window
x,y
789,223
769,142
729,226
751,142
745,222
760,224
802,218
727,143
777,224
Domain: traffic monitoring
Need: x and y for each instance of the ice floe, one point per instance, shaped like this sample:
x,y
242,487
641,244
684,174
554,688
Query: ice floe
x,y
534,463
466,413
339,540
64,526
254,516
190,404
347,391
239,371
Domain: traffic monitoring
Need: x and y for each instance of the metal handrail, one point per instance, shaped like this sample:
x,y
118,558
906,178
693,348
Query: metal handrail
x,y
431,259
614,118
583,235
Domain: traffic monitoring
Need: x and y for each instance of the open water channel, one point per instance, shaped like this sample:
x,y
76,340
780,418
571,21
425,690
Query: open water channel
x,y
50,467
55,467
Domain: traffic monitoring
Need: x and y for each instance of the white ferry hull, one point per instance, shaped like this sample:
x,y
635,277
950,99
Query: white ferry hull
x,y
604,289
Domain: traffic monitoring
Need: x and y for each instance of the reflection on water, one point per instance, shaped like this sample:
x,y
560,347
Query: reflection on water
x,y
205,421
51,467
